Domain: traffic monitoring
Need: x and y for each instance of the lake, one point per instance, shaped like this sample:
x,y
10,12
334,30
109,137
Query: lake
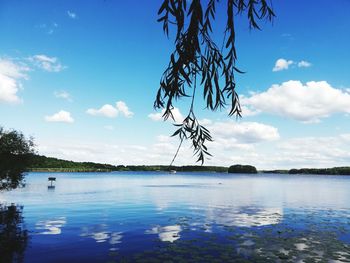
x,y
183,217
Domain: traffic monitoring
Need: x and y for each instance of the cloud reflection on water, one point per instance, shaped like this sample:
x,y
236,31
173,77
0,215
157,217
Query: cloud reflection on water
x,y
166,233
245,217
101,235
227,204
52,226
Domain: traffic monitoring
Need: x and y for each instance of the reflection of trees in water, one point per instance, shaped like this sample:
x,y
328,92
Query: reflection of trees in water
x,y
13,235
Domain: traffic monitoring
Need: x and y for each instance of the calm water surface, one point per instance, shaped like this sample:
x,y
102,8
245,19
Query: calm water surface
x,y
197,217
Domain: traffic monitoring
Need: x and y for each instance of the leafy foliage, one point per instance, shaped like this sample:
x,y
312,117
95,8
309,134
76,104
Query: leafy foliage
x,y
15,152
197,55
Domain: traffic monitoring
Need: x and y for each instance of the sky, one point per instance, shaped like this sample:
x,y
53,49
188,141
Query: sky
x,y
81,78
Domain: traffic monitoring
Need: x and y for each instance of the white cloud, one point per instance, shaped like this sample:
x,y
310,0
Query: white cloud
x,y
345,137
282,64
307,103
315,151
154,151
63,95
304,64
163,138
123,109
229,137
50,64
10,75
159,115
247,112
61,116
244,132
288,153
239,136
13,71
71,14
106,110
110,111
205,121
109,127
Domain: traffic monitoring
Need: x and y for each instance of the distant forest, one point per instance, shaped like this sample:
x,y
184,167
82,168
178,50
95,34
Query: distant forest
x,y
330,171
41,163
49,164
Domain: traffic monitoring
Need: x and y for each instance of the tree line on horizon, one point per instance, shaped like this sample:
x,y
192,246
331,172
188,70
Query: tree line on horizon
x,y
44,163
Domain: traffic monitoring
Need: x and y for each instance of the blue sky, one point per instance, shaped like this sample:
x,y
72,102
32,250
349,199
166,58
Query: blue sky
x,y
81,77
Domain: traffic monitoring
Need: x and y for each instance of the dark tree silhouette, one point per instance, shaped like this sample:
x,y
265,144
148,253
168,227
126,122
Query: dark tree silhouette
x,y
13,235
197,58
15,153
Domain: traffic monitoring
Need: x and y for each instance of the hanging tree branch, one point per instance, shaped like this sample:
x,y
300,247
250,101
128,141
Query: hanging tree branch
x,y
196,54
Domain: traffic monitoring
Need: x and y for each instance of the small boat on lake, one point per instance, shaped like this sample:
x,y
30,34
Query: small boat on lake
x,y
172,171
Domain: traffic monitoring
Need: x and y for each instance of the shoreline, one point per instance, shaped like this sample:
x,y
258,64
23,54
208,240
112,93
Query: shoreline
x,y
277,172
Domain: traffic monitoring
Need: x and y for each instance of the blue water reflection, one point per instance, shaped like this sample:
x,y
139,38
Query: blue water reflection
x,y
104,217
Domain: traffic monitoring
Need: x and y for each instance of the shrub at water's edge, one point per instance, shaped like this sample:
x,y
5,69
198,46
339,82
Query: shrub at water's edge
x,y
15,152
238,168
